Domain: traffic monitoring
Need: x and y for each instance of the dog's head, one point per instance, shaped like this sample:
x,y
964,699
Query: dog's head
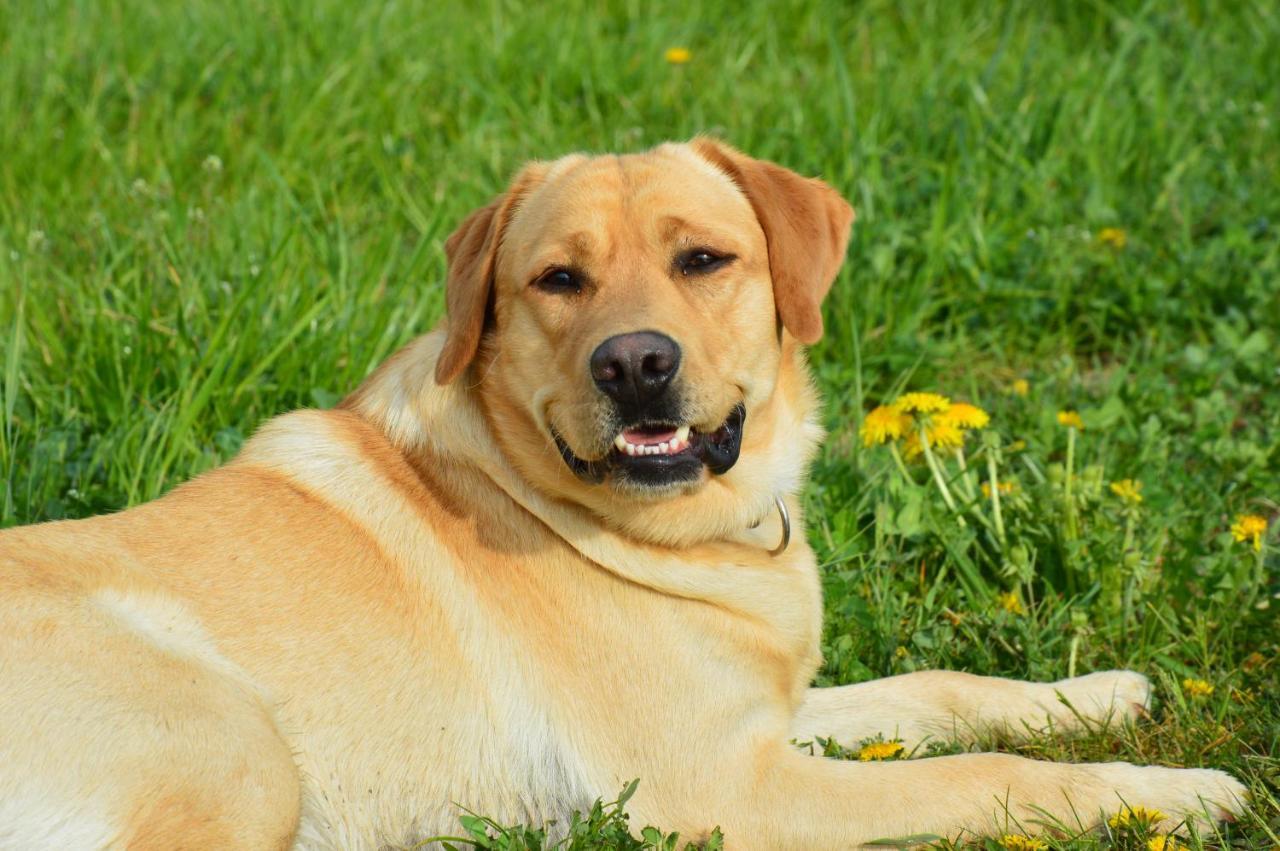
x,y
629,322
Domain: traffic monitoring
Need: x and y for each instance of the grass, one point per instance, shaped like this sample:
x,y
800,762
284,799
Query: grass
x,y
212,212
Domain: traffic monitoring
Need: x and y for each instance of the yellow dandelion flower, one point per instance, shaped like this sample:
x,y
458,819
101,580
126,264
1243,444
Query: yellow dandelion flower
x,y
877,751
1020,387
1250,526
677,55
1130,490
1164,843
1114,237
944,435
1019,842
1010,602
964,415
941,435
1197,688
1005,488
1070,419
883,424
921,403
1135,816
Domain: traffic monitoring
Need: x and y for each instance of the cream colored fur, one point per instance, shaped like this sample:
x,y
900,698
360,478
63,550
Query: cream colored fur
x,y
377,614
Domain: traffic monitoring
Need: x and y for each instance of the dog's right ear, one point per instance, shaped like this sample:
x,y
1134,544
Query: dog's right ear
x,y
472,253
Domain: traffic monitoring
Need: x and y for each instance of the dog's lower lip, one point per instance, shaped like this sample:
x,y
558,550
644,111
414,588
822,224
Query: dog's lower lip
x,y
719,450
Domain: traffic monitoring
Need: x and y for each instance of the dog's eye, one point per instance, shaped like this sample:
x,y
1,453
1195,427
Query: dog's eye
x,y
700,260
559,281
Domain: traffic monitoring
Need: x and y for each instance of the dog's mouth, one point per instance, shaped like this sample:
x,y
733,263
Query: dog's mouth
x,y
661,454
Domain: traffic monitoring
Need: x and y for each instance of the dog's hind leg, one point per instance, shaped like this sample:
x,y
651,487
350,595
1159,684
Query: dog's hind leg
x,y
952,706
121,726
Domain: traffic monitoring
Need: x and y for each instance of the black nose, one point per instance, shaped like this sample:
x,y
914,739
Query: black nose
x,y
633,369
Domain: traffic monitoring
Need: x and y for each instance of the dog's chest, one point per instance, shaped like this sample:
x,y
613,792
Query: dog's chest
x,y
541,691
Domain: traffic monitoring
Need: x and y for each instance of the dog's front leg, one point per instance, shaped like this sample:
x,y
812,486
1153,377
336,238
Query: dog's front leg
x,y
794,801
954,706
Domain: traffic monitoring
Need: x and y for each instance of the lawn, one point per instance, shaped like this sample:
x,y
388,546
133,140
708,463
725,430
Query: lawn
x,y
218,210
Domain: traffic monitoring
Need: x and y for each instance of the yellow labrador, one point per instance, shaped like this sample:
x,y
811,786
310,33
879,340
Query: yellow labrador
x,y
538,553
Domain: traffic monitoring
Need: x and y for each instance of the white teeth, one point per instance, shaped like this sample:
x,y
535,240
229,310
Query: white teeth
x,y
678,443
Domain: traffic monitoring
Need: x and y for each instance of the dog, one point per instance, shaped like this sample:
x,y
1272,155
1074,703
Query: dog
x,y
550,547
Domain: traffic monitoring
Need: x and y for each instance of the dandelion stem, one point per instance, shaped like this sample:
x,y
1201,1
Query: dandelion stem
x,y
1072,528
966,476
1128,532
1259,575
994,478
897,459
938,478
1130,583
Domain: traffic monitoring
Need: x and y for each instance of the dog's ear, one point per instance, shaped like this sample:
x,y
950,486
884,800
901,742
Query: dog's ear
x,y
806,225
472,253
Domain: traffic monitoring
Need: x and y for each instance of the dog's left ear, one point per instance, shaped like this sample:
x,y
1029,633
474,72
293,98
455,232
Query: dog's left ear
x,y
806,225
472,253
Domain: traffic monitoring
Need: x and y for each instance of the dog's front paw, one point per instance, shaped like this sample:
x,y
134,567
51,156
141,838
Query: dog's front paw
x,y
1106,696
1178,796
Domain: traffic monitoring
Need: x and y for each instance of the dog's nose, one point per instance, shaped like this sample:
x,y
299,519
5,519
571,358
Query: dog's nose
x,y
635,368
